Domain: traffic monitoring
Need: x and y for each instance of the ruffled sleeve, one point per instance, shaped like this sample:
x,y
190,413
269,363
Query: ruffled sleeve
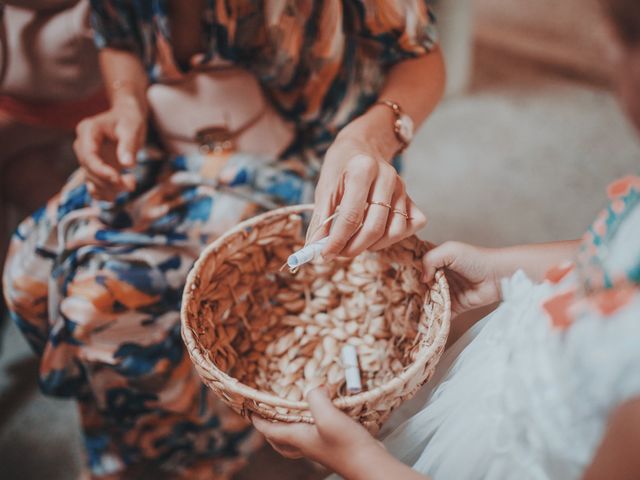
x,y
391,30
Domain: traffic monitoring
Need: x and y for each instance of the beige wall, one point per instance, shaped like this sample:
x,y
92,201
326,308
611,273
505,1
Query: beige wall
x,y
569,33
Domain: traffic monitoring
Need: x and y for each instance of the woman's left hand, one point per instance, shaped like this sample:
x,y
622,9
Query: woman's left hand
x,y
335,441
374,210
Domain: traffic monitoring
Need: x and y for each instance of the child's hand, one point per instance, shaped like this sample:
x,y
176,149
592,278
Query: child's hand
x,y
472,273
335,441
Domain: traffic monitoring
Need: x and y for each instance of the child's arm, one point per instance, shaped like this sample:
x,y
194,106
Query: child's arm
x,y
617,457
474,273
535,259
335,441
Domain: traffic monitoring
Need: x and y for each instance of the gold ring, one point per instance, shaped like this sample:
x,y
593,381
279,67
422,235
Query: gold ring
x,y
400,212
382,204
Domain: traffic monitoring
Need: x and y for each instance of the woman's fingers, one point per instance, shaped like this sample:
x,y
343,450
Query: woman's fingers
x,y
397,226
105,177
100,189
358,177
91,135
128,181
93,163
384,216
92,189
128,133
417,220
104,145
377,214
321,211
98,182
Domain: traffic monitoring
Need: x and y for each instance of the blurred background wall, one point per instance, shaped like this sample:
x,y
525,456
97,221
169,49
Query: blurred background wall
x,y
524,154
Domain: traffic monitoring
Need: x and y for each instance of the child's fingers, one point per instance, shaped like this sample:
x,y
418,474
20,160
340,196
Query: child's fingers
x,y
329,419
441,256
282,433
265,427
285,450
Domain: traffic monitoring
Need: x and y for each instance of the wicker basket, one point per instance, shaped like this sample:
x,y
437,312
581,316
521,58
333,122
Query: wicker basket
x,y
259,336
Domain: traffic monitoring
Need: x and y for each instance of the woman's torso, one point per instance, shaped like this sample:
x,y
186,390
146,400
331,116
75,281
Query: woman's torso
x,y
319,63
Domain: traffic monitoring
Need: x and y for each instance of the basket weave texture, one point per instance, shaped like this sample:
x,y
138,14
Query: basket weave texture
x,y
259,336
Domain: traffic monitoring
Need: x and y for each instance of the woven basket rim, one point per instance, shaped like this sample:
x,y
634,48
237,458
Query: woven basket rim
x,y
235,386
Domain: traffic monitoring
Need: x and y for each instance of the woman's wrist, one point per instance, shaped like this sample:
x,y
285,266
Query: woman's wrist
x,y
128,100
376,129
125,80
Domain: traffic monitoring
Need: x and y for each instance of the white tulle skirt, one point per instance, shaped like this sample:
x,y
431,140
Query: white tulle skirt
x,y
512,400
470,426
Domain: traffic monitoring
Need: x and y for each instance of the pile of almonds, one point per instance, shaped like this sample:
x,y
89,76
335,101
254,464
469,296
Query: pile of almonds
x,y
281,332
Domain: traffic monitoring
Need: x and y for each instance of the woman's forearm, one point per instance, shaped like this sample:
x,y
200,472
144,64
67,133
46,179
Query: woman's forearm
x,y
125,79
535,259
417,86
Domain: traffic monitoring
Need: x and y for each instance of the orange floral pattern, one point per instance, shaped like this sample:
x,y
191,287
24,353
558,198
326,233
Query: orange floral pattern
x,y
601,288
96,289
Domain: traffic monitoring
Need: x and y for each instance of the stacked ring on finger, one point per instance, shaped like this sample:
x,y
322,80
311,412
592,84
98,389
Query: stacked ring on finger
x,y
382,204
393,210
400,212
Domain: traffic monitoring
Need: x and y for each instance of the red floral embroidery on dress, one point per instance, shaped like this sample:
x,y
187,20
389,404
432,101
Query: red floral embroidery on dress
x,y
597,290
618,206
623,186
557,273
559,308
607,302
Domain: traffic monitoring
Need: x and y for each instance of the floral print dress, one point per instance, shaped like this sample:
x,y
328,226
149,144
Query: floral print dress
x,y
95,287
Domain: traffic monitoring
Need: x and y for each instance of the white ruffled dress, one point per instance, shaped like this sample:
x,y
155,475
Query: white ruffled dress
x,y
530,395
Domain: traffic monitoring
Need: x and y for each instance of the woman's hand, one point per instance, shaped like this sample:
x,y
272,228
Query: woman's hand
x,y
472,272
374,210
335,441
107,143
